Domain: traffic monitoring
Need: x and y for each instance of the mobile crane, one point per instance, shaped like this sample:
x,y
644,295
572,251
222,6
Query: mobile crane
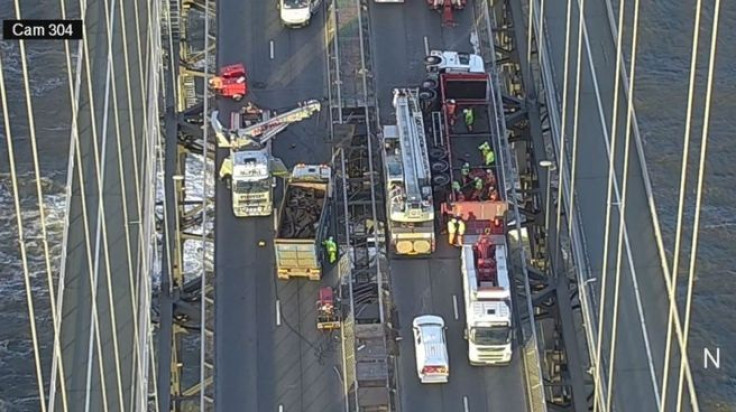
x,y
250,169
410,206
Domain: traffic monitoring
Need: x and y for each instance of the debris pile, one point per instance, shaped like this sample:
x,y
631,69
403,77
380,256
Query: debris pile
x,y
302,212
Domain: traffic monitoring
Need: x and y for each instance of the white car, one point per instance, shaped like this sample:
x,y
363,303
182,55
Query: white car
x,y
297,13
433,362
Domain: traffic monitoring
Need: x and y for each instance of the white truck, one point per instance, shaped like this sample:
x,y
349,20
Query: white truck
x,y
250,168
410,206
303,222
487,295
297,13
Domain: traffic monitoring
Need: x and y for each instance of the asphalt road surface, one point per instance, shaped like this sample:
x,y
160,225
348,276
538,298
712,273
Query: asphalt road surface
x,y
431,286
261,365
107,254
639,358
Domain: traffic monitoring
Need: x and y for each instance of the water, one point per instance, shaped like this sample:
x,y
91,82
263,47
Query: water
x,y
661,92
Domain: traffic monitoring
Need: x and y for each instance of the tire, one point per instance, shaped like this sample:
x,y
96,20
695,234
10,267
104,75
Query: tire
x,y
430,84
432,60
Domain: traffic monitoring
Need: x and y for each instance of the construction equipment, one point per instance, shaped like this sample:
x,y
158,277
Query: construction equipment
x,y
410,205
446,7
487,293
477,198
250,168
230,82
303,222
328,312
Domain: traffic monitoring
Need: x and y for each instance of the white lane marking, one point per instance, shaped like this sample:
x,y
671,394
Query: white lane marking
x,y
281,408
270,48
465,403
426,46
454,307
278,312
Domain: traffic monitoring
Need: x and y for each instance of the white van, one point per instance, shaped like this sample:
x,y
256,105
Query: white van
x,y
433,363
297,13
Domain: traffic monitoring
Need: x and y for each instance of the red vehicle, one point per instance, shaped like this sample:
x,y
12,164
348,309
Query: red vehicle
x,y
231,82
446,7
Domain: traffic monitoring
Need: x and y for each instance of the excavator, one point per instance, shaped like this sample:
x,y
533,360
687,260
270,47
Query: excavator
x,y
250,170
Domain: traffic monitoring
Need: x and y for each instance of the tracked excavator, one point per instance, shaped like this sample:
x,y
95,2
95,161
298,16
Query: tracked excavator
x,y
250,170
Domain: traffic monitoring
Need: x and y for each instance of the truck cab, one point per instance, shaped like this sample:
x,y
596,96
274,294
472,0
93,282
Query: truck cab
x,y
487,296
252,184
297,13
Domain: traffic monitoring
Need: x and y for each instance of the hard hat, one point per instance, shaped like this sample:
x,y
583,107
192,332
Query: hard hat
x,y
451,101
261,243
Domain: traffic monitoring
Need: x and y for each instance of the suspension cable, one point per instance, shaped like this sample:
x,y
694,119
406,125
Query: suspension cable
x,y
75,143
205,169
41,205
95,329
21,235
681,202
110,83
565,86
576,113
622,208
699,197
609,195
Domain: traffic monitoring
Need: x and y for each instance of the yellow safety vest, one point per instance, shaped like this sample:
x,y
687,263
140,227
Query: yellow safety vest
x,y
460,227
451,225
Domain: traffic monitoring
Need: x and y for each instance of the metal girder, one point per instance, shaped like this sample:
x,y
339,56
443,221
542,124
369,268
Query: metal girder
x,y
179,299
562,373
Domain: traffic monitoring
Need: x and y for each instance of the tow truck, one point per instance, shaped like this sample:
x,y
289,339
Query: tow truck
x,y
250,169
410,205
458,81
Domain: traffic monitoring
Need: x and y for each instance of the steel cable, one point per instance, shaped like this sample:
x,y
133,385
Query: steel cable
x,y
41,209
681,202
607,231
622,207
95,329
21,234
576,113
698,199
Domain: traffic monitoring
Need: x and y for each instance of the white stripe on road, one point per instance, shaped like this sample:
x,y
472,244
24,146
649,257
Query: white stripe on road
x,y
278,312
465,403
426,46
454,307
270,47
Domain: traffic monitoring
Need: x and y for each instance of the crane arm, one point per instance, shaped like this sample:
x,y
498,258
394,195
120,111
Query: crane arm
x,y
304,111
260,133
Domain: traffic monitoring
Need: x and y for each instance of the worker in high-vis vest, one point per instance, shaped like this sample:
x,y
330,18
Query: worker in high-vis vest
x,y
450,110
226,171
469,118
460,232
489,157
452,230
331,247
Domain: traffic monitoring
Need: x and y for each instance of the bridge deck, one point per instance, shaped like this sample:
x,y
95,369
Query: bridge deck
x,y
643,296
112,115
427,286
261,365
